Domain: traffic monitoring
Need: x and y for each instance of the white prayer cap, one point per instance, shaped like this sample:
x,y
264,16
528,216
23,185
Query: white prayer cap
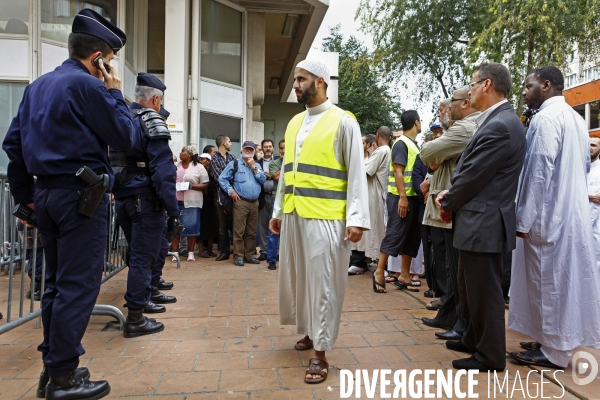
x,y
316,68
205,155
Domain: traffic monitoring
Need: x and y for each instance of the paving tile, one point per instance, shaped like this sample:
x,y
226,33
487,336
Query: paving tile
x,y
207,321
114,365
15,388
12,368
132,384
351,340
179,334
248,344
252,379
152,397
371,355
219,361
245,320
275,359
160,363
270,330
151,347
293,378
228,332
219,396
189,382
434,352
200,346
283,395
358,327
14,350
334,357
388,339
364,316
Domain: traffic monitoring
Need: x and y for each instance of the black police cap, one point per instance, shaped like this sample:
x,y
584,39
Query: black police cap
x,y
91,23
149,80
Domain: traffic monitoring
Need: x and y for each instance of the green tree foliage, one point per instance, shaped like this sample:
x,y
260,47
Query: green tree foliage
x,y
361,90
442,41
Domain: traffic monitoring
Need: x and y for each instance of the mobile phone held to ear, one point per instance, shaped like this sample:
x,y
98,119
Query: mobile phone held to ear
x,y
97,63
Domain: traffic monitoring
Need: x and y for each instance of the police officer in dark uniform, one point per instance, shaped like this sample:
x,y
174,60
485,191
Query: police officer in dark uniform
x,y
144,189
66,120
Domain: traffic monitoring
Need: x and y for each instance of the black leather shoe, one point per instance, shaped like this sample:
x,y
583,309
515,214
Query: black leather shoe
x,y
162,285
82,373
449,335
160,298
252,261
457,345
272,266
435,324
70,387
37,293
222,256
137,324
262,257
152,308
238,263
472,363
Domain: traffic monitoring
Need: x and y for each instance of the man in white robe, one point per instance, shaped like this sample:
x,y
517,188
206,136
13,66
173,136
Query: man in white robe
x,y
377,167
555,286
594,194
314,253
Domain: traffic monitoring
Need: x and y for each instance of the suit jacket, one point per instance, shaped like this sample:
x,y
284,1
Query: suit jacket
x,y
484,185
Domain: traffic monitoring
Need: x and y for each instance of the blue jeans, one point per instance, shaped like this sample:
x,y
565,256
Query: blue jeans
x,y
273,244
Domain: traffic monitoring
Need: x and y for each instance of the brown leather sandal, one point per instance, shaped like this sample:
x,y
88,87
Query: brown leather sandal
x,y
317,367
306,343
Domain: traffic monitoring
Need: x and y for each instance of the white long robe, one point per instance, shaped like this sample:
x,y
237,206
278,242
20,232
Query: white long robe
x,y
555,286
594,188
313,256
377,167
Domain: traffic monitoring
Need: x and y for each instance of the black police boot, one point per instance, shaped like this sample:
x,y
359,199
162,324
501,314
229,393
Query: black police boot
x,y
151,308
137,324
160,298
82,373
37,290
71,386
162,285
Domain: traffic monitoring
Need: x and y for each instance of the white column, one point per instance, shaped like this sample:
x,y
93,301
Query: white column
x,y
588,115
255,83
194,134
177,38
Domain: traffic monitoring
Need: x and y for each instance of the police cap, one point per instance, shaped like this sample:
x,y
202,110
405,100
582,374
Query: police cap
x,y
149,80
91,23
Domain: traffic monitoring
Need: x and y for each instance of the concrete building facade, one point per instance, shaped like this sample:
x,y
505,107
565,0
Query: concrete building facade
x,y
224,62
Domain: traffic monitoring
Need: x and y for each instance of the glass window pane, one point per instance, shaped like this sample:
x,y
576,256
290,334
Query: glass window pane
x,y
221,43
14,17
10,97
594,109
129,32
580,109
156,36
213,125
57,15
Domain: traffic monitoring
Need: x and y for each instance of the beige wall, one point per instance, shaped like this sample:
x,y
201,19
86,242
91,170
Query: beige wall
x,y
281,113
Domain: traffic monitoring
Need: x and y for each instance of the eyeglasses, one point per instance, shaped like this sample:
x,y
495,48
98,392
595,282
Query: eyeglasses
x,y
453,99
475,83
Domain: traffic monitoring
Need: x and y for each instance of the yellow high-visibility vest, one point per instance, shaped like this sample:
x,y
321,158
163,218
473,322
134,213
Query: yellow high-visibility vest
x,y
413,151
316,184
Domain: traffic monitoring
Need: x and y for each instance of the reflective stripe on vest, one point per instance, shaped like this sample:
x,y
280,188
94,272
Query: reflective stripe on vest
x,y
413,151
316,184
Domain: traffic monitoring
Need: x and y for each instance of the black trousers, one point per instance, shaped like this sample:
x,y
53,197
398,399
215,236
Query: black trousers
x,y
438,243
507,269
428,260
224,226
480,288
359,259
451,312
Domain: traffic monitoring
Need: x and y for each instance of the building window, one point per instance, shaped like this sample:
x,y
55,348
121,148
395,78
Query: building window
x,y
156,36
129,32
221,43
57,15
570,80
213,125
580,109
594,110
11,94
14,17
591,73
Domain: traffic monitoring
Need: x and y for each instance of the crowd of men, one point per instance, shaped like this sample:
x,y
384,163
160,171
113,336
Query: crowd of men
x,y
324,209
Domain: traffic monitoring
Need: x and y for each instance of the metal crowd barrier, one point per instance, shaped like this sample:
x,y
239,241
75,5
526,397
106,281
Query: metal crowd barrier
x,y
19,252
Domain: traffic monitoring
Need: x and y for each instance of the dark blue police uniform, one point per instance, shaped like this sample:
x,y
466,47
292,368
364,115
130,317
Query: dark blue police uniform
x,y
67,119
145,189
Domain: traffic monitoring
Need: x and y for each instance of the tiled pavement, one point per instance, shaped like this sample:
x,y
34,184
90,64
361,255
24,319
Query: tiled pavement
x,y
223,341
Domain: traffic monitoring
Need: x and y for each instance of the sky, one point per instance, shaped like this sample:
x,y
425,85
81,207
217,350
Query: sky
x,y
342,12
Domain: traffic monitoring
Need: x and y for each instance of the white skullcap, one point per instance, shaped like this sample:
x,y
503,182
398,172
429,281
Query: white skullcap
x,y
316,68
205,155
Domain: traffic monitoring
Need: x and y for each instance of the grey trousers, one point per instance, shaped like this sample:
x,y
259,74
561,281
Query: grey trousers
x,y
264,216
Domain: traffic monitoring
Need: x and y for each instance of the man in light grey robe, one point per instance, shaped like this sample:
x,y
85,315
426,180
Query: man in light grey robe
x,y
555,286
594,193
377,167
314,253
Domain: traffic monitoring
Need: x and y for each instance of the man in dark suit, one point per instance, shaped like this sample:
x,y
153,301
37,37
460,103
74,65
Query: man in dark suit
x,y
481,200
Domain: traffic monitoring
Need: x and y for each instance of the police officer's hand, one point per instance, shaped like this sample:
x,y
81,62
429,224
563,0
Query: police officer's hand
x,y
275,226
353,234
111,80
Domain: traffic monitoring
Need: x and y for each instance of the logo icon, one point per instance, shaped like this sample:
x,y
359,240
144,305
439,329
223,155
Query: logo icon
x,y
584,362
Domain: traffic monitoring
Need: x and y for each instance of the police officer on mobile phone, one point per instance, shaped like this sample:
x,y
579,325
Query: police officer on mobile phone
x,y
144,196
66,121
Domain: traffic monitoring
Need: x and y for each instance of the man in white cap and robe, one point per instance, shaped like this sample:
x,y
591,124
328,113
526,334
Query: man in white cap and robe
x,y
321,206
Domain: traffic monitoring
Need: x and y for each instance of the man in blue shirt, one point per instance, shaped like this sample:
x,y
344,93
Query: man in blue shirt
x,y
243,185
66,120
